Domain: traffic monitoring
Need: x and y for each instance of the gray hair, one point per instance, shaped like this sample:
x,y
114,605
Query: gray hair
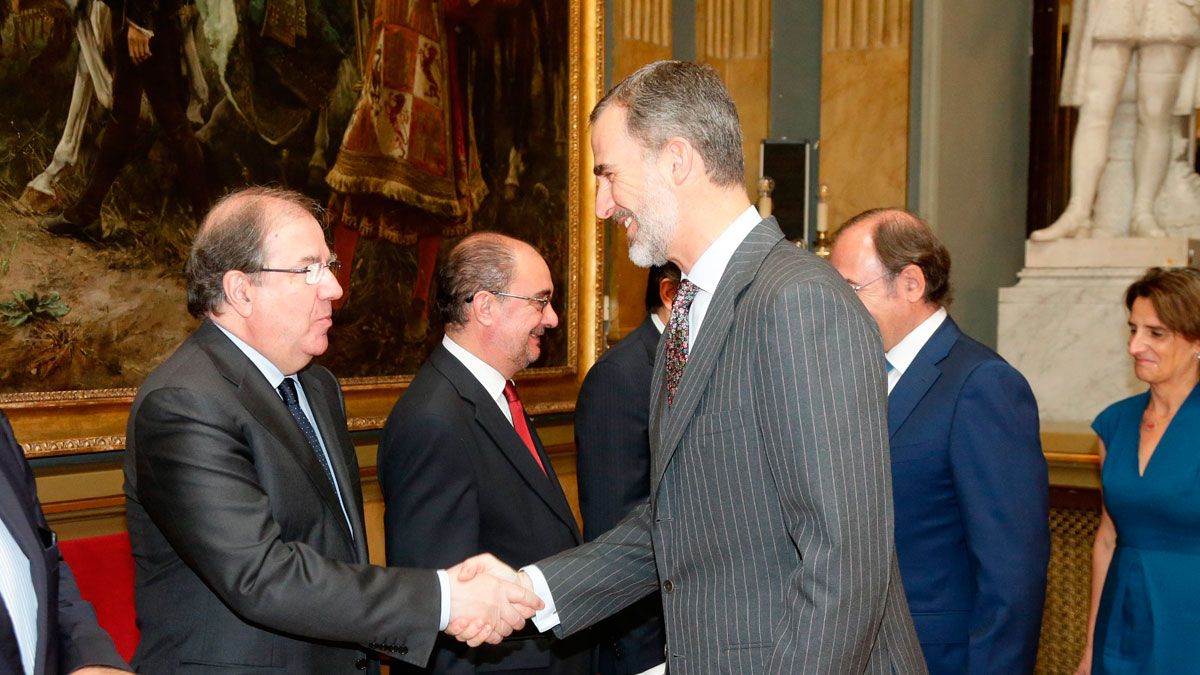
x,y
669,99
231,238
484,261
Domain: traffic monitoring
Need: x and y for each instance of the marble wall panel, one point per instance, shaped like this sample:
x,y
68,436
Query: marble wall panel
x,y
864,104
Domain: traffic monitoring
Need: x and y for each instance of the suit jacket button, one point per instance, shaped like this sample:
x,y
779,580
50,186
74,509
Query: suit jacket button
x,y
668,586
402,650
361,663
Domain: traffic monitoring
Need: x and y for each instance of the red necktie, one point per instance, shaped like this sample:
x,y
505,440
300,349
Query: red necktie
x,y
518,419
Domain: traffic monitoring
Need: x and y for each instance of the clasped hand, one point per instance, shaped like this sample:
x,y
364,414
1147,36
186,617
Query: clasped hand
x,y
488,600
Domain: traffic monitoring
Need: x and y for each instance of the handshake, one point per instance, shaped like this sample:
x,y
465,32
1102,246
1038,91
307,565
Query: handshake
x,y
488,600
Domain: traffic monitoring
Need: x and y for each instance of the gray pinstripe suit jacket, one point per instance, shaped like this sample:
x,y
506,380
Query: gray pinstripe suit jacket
x,y
769,524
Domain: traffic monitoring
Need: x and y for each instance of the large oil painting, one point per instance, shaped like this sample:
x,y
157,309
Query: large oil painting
x,y
411,122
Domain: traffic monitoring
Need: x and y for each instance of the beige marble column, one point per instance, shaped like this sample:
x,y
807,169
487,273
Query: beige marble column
x,y
641,35
734,36
864,104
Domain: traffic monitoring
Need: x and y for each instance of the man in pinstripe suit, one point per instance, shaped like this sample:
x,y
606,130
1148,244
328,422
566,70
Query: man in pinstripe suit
x,y
769,525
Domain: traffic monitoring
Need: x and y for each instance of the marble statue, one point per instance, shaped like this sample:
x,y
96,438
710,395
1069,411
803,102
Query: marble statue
x,y
1123,155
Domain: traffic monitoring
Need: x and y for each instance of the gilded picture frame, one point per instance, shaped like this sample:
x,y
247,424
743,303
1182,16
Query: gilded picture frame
x,y
73,422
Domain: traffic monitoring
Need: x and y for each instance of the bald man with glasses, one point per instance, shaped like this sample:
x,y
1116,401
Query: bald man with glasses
x,y
462,468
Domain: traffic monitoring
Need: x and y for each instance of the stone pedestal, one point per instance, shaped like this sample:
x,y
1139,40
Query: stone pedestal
x,y
1064,324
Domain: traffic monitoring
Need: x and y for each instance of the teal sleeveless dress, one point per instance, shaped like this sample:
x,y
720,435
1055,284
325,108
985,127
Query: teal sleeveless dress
x,y
1149,615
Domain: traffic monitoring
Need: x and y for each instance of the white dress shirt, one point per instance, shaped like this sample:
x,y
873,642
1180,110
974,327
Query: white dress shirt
x,y
490,378
901,356
706,273
16,587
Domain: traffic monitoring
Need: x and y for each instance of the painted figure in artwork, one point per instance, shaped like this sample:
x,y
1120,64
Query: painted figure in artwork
x,y
454,92
407,171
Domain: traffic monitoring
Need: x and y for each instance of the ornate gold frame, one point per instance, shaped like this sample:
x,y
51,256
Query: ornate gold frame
x,y
53,423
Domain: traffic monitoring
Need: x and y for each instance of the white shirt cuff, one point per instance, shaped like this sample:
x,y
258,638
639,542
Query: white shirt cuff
x,y
660,669
444,583
144,31
547,618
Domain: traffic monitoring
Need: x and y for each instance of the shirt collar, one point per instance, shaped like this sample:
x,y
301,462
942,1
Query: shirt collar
x,y
709,268
901,356
491,379
269,370
657,323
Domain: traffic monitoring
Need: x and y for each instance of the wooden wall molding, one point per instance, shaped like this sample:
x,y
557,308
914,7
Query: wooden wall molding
x,y
647,21
733,29
866,24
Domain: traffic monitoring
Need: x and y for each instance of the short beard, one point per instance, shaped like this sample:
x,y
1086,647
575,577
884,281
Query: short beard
x,y
657,220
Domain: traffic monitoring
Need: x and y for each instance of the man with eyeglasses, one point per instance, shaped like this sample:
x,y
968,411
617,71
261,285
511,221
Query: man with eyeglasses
x,y
461,466
968,475
243,500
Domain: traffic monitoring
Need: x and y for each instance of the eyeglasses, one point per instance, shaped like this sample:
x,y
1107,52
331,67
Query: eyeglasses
x,y
858,287
541,301
314,273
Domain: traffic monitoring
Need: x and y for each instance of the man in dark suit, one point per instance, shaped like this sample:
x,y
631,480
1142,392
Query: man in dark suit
x,y
968,474
612,441
46,628
769,525
461,467
243,498
148,46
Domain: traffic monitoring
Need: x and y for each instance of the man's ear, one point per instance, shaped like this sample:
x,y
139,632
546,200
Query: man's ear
x,y
682,159
667,288
911,283
482,308
239,292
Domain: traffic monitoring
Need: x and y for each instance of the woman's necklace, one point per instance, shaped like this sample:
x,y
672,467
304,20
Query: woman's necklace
x,y
1152,422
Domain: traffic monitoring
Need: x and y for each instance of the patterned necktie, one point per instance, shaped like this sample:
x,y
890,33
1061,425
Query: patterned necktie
x,y
518,418
287,389
677,336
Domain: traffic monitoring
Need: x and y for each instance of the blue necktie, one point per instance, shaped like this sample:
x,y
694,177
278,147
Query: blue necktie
x,y
890,367
287,389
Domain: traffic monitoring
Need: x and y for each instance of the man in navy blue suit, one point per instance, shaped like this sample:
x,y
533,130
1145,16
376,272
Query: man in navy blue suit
x,y
612,438
46,628
968,475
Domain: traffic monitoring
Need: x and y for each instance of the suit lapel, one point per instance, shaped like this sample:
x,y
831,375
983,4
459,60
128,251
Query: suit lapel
x,y
265,405
504,436
648,336
703,357
341,452
920,375
12,512
18,516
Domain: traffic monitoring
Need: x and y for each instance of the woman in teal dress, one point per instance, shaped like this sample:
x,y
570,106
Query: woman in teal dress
x,y
1145,611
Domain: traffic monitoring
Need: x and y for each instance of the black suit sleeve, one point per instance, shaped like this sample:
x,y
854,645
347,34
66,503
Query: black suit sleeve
x,y
197,480
432,511
611,438
81,640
